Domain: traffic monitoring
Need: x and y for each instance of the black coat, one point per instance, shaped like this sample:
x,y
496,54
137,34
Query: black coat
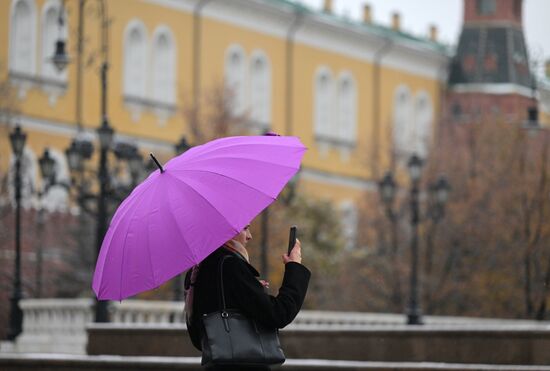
x,y
244,292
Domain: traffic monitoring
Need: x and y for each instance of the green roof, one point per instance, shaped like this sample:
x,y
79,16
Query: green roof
x,y
375,28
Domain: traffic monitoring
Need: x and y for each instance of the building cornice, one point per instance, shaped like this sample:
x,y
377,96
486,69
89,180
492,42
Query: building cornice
x,y
69,130
181,5
324,32
338,180
496,89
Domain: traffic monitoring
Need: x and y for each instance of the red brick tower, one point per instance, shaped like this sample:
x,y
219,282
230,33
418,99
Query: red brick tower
x,y
489,75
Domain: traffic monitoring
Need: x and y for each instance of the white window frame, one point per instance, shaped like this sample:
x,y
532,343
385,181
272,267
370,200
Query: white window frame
x,y
423,123
403,122
140,93
23,78
260,102
170,99
347,130
239,76
323,113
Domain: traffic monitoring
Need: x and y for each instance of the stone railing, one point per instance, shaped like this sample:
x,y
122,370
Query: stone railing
x,y
59,325
143,311
54,325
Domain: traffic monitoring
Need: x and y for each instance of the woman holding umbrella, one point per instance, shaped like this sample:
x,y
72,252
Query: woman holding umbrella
x,y
194,211
243,290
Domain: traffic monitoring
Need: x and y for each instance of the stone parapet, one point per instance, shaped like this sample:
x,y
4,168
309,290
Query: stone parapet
x,y
495,344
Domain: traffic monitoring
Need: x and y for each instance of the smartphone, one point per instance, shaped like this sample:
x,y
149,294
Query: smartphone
x,y
292,238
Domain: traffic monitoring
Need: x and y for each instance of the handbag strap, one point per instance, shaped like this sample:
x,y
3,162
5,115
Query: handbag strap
x,y
221,289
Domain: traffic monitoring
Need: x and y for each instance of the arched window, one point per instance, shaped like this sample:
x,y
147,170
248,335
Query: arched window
x,y
23,37
164,66
347,111
235,78
423,126
135,60
50,34
402,121
260,89
324,95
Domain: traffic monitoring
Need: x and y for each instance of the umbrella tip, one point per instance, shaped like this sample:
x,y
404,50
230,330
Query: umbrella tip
x,y
271,134
157,163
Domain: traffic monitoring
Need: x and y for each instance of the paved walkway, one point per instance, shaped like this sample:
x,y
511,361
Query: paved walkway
x,y
29,361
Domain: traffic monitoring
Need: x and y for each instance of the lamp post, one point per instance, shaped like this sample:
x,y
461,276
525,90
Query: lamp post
x,y
387,188
439,193
180,147
17,139
414,316
80,150
47,169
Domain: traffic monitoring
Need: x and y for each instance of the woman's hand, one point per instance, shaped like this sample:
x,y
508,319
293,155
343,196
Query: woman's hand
x,y
295,254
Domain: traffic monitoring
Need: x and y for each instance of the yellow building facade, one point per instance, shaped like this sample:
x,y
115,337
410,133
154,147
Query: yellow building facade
x,y
354,92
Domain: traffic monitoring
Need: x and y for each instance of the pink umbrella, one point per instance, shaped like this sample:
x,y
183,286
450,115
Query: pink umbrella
x,y
178,216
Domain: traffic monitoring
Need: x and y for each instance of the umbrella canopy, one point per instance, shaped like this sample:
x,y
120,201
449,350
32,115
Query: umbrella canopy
x,y
176,218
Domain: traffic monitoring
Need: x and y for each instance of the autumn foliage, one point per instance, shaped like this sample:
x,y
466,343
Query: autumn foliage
x,y
490,255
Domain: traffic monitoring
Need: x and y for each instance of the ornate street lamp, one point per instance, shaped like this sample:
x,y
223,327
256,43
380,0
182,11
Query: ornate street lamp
x,y
47,166
415,167
135,164
17,139
60,59
439,193
414,316
387,189
182,146
80,150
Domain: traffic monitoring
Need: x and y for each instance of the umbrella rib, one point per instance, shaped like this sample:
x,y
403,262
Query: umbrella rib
x,y
155,184
199,154
148,247
204,198
199,157
124,244
228,177
235,158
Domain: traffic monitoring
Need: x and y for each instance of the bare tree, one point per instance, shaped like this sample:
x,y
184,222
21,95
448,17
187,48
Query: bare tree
x,y
213,116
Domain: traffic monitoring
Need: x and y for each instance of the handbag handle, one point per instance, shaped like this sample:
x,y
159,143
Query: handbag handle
x,y
224,313
221,290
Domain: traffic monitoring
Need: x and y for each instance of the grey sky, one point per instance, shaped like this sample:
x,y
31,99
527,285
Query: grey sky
x,y
417,15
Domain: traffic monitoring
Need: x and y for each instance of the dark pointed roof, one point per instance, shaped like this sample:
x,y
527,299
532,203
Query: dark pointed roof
x,y
491,54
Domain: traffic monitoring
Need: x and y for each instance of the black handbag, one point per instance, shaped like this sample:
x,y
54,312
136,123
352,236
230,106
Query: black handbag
x,y
230,338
